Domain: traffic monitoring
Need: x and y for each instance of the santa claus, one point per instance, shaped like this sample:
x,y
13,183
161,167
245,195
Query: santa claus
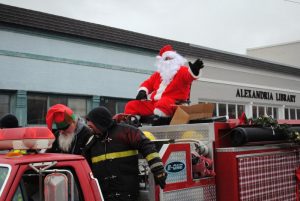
x,y
165,87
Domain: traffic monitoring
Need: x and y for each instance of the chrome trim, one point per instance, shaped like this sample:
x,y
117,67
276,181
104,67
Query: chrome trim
x,y
8,175
68,172
256,148
95,179
266,154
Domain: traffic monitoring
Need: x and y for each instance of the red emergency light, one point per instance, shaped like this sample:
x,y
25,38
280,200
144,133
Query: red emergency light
x,y
26,138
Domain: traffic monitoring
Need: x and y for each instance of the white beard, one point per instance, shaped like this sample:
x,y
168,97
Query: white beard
x,y
168,68
65,141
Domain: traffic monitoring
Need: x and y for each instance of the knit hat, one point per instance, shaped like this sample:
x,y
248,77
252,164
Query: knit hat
x,y
9,121
101,118
166,48
61,115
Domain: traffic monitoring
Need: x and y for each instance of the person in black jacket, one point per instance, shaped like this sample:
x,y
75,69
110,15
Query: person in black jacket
x,y
9,121
112,153
72,133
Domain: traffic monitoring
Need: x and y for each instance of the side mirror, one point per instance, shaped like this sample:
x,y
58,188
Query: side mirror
x,y
56,187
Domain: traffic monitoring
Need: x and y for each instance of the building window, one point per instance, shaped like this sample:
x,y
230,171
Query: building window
x,y
215,110
240,109
4,104
222,109
261,110
115,105
38,104
275,113
292,113
53,100
254,112
269,111
286,113
36,109
232,111
78,105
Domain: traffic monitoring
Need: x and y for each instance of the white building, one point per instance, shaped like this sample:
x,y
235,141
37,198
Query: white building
x,y
285,53
47,59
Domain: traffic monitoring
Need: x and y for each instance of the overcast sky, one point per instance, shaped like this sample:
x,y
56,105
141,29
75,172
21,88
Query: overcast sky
x,y
228,25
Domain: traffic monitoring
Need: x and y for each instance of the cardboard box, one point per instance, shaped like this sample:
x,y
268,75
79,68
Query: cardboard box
x,y
184,114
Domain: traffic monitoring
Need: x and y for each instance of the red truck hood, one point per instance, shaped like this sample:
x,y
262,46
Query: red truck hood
x,y
33,158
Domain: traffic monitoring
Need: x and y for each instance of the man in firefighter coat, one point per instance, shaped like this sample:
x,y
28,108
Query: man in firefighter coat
x,y
112,153
170,84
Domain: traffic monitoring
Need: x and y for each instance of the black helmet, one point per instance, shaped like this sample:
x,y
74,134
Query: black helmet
x,y
9,121
101,118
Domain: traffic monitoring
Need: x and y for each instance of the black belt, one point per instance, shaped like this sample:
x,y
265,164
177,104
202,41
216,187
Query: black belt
x,y
109,178
120,195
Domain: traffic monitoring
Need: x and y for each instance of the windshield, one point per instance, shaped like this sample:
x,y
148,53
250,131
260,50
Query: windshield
x,y
3,177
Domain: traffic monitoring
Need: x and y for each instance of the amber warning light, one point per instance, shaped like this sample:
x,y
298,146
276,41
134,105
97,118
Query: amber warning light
x,y
26,138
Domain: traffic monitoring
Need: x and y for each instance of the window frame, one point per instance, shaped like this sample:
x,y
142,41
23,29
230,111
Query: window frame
x,y
104,100
257,106
77,185
50,96
9,104
287,113
217,105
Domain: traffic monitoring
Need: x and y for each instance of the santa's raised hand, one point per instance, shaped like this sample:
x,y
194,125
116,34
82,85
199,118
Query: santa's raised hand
x,y
196,66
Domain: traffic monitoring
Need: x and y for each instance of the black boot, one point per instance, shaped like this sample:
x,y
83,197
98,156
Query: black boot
x,y
134,121
159,121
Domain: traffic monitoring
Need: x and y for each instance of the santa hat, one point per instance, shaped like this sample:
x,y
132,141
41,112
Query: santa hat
x,y
166,48
61,115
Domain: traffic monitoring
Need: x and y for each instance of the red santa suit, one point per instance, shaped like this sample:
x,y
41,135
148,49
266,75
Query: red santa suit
x,y
164,87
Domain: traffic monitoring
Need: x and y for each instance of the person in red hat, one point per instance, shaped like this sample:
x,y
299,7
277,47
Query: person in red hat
x,y
165,87
72,133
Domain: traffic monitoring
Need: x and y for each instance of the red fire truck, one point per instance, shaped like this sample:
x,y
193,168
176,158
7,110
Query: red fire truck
x,y
200,160
262,167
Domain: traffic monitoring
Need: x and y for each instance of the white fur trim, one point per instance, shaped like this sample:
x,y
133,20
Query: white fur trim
x,y
168,68
180,59
159,113
171,54
160,91
145,89
174,55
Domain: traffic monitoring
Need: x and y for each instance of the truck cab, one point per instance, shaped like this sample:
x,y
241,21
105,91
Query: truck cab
x,y
26,174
